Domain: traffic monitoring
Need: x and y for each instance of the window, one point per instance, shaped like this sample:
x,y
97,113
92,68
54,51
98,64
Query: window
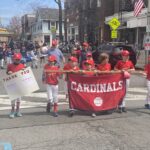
x,y
84,5
49,25
99,3
53,24
73,30
57,24
69,31
91,3
41,26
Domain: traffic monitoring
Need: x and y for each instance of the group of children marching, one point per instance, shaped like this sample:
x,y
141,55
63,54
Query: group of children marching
x,y
52,73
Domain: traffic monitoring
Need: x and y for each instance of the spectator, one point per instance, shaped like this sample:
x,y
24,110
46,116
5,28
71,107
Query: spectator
x,y
1,57
57,53
43,53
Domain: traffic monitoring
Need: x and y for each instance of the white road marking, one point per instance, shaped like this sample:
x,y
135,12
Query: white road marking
x,y
4,99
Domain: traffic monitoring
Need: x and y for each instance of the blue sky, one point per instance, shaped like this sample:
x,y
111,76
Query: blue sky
x,y
10,8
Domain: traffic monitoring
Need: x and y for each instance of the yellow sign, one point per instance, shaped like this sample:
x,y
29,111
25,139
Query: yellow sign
x,y
114,34
114,23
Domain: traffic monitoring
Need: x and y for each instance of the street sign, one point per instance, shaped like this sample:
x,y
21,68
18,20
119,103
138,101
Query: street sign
x,y
114,34
114,23
147,43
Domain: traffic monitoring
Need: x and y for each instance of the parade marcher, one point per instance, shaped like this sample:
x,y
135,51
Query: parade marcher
x,y
72,65
147,73
31,54
51,81
12,68
89,71
83,53
23,52
88,57
126,66
2,55
104,62
57,53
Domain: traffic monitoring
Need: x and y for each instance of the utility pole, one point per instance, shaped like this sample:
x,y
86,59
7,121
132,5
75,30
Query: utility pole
x,y
59,3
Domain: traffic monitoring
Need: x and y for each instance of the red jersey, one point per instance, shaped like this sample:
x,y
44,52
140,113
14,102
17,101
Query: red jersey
x,y
15,68
124,65
67,67
104,67
84,67
51,78
147,70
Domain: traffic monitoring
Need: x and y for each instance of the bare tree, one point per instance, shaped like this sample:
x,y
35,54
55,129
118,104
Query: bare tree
x,y
15,27
59,3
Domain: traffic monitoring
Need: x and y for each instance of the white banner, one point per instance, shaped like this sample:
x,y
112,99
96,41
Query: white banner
x,y
20,84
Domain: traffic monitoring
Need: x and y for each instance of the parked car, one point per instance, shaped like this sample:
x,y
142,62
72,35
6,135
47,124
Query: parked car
x,y
114,53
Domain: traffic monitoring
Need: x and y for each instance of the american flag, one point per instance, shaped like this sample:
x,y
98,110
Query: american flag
x,y
138,5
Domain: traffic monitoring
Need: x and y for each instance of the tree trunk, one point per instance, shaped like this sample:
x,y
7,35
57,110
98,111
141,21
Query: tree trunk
x,y
60,19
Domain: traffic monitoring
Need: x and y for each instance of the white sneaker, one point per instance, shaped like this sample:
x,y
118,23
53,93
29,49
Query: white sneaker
x,y
18,114
93,115
12,115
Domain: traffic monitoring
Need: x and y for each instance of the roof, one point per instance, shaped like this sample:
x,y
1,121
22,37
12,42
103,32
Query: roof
x,y
49,13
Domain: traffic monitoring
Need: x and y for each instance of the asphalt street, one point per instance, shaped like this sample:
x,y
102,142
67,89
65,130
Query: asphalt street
x,y
38,130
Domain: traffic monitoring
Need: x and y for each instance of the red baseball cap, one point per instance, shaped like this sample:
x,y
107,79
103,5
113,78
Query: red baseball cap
x,y
17,56
52,58
85,44
74,59
125,53
89,54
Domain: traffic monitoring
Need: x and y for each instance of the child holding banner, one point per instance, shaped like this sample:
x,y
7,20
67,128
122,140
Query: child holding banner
x,y
147,73
104,65
71,65
90,71
51,80
126,66
88,57
12,68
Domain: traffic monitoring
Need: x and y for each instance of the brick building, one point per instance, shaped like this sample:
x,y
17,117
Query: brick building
x,y
85,19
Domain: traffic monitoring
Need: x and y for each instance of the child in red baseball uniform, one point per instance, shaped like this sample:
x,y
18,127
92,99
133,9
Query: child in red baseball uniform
x,y
51,81
72,65
89,71
88,57
147,73
12,68
104,63
126,66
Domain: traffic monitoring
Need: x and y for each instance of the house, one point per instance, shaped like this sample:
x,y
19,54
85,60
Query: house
x,y
5,35
46,26
27,20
